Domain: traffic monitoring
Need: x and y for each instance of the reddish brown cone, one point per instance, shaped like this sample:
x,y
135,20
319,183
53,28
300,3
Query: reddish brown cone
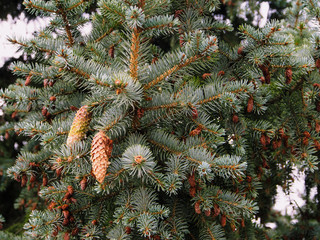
x,y
250,105
223,220
288,75
28,80
197,207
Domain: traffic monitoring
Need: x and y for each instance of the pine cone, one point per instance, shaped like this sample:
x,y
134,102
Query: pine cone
x,y
250,105
101,148
317,127
197,207
28,80
235,118
288,73
223,220
318,63
79,126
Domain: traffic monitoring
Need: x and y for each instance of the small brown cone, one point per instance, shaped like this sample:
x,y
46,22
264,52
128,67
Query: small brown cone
x,y
195,131
111,51
205,75
317,127
250,105
52,98
28,80
79,126
127,229
288,73
66,236
266,73
6,135
240,50
44,180
192,191
192,180
207,212
263,140
235,118
14,114
216,210
44,111
45,82
101,148
83,183
221,73
306,134
197,207
223,220
318,63
194,113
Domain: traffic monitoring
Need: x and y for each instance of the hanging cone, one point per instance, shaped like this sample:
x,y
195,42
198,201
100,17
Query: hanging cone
x,y
223,220
288,73
250,104
79,126
101,148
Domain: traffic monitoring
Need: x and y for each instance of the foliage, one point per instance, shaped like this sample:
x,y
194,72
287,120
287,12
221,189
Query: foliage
x,y
189,137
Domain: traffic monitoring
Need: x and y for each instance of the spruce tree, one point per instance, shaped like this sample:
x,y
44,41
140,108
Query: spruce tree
x,y
153,127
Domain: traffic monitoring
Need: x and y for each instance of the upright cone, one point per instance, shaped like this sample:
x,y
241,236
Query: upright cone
x,y
101,148
79,126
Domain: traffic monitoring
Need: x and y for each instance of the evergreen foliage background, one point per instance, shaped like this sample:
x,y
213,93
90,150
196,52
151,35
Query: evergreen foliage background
x,y
192,121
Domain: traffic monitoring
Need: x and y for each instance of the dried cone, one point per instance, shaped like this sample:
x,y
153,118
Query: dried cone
x,y
205,75
242,223
14,114
318,63
45,180
316,144
24,180
192,180
101,148
192,191
45,82
306,134
317,127
83,183
79,126
235,118
44,111
66,236
111,51
288,75
195,131
197,207
263,140
6,135
75,231
317,106
223,220
28,80
216,210
266,73
207,212
250,105
127,229
221,73
52,98
194,113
